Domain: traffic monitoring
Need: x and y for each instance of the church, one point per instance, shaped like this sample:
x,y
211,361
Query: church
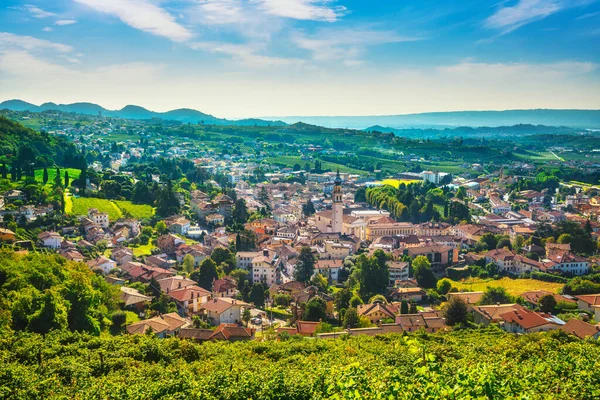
x,y
335,221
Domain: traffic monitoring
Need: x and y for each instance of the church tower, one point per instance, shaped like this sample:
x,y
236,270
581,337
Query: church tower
x,y
338,205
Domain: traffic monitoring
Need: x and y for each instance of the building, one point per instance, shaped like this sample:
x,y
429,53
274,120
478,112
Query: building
x,y
524,321
244,259
229,332
223,310
399,271
338,205
468,297
329,269
102,263
377,312
161,326
122,255
581,329
438,256
168,243
178,225
6,235
486,315
386,226
51,240
99,218
265,267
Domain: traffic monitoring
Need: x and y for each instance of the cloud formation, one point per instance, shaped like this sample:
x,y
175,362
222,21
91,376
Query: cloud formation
x,y
143,15
29,43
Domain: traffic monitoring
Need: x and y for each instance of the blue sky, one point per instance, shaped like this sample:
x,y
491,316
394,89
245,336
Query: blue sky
x,y
240,58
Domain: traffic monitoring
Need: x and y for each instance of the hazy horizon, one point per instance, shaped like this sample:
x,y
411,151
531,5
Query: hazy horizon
x,y
240,59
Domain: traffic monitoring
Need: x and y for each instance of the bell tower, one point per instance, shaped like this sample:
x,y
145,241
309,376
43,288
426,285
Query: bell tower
x,y
338,205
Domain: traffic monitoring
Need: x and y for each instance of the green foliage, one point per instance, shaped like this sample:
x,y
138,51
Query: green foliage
x,y
547,303
423,273
443,286
351,319
225,258
257,294
315,310
305,266
206,274
372,273
493,295
46,292
455,311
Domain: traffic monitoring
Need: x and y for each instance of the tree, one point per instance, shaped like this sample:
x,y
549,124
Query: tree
x,y
455,311
373,274
565,238
355,301
351,319
547,303
504,242
404,307
161,227
423,273
66,178
118,320
45,175
57,178
342,299
443,286
461,193
257,294
246,316
305,266
188,263
496,295
225,258
240,212
206,274
308,208
315,310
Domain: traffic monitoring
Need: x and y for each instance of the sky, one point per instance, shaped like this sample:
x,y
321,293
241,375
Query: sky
x,y
253,58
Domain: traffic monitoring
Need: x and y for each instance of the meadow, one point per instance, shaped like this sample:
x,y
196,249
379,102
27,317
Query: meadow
x,y
514,287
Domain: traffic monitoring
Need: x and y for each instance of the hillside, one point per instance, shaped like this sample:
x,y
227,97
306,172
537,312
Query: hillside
x,y
184,115
507,132
464,364
14,135
589,119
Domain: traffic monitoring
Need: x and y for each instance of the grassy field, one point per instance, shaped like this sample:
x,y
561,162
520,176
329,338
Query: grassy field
x,y
138,211
73,174
291,160
82,204
513,286
142,250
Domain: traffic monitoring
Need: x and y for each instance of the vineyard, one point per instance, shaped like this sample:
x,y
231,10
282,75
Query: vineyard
x,y
463,364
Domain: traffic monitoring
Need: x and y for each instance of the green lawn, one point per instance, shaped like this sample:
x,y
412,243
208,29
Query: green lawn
x,y
142,250
291,160
138,211
82,204
73,174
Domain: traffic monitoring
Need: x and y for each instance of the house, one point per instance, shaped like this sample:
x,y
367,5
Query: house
x,y
223,310
162,325
168,243
468,297
14,195
229,332
414,322
581,329
438,255
189,298
50,240
224,287
122,255
72,255
145,273
415,294
174,282
6,235
99,218
487,315
524,321
569,263
329,269
532,298
588,302
265,267
103,264
178,225
399,271
133,298
215,219
378,311
303,328
244,259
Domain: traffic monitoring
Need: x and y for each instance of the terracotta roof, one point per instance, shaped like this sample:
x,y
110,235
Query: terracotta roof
x,y
219,305
366,309
306,327
411,321
323,264
493,312
188,293
230,331
591,299
469,297
174,283
580,329
524,318
195,333
534,296
131,296
162,323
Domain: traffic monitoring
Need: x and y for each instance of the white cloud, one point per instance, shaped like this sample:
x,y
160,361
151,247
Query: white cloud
x,y
47,29
35,11
314,10
502,71
62,22
346,44
29,43
142,15
246,54
223,12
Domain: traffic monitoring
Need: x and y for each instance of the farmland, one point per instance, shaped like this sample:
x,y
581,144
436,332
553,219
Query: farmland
x,y
138,211
513,286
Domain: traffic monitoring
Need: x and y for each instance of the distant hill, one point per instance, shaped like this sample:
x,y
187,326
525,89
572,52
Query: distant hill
x,y
483,131
589,119
184,115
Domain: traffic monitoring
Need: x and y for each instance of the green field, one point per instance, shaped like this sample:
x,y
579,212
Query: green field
x,y
138,211
514,287
82,204
290,161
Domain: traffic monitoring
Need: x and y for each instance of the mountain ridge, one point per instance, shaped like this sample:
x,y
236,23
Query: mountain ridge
x,y
131,111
